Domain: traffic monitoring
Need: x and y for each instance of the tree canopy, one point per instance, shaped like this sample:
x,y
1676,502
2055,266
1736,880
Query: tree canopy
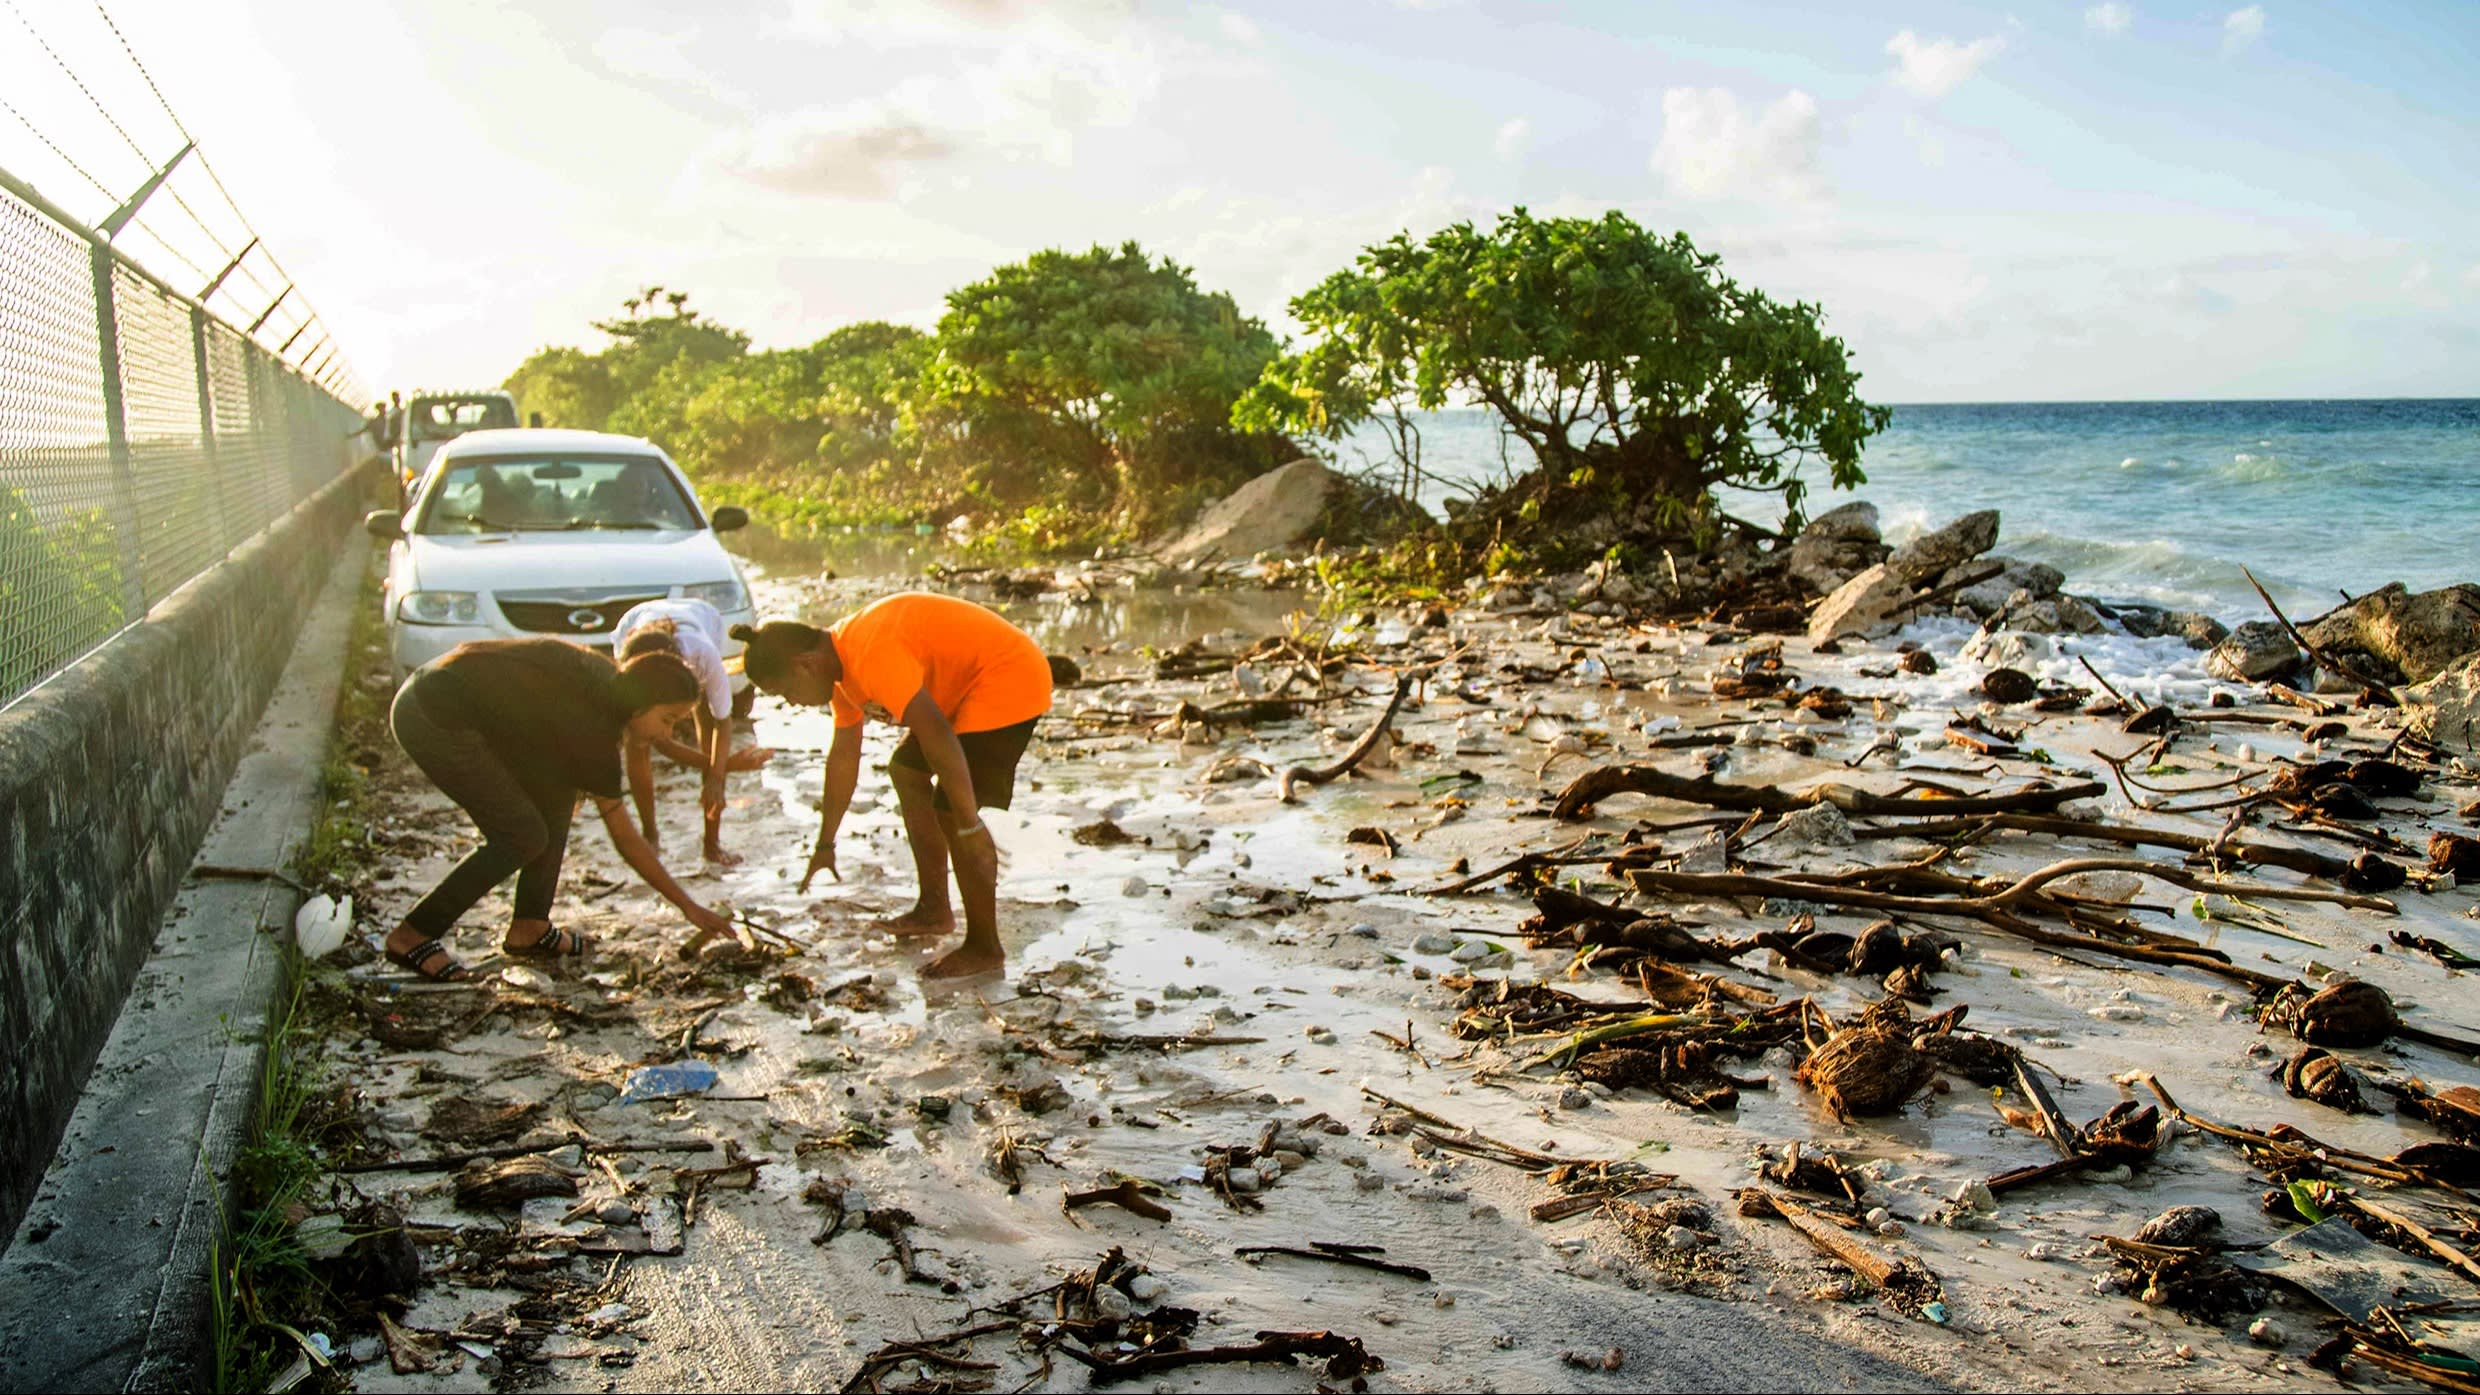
x,y
1640,376
1120,355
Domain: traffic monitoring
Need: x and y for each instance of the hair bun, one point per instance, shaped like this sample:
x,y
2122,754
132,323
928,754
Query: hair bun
x,y
744,633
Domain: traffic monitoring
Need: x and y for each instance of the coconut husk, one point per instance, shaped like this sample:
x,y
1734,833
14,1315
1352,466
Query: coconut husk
x,y
1682,1071
1870,1067
2382,779
512,1181
2008,686
2452,852
2318,1074
1979,1059
2346,1014
480,1119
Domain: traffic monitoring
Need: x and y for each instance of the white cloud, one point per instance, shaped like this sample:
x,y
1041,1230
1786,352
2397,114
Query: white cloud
x,y
2243,27
1010,79
1934,67
1710,149
1239,28
858,152
2111,18
1513,138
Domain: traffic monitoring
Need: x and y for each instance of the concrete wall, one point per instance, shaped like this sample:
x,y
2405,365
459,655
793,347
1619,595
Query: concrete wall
x,y
110,774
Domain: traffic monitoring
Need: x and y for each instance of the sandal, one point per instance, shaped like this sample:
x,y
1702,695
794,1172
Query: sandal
x,y
554,943
430,953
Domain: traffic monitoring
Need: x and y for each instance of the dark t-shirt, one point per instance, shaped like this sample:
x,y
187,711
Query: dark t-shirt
x,y
545,706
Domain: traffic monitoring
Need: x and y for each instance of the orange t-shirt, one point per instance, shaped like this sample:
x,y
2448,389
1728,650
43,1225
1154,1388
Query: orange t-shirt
x,y
982,672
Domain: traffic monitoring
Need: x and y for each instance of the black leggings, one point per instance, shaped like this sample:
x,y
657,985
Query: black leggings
x,y
524,826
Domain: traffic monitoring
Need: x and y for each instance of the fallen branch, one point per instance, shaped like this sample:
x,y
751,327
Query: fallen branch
x,y
1345,1358
1586,790
1911,1287
2313,864
1357,1256
1298,775
518,1150
1128,1196
2376,692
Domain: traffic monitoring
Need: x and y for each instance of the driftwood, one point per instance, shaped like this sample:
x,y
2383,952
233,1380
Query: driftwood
x,y
1997,908
1904,1282
2375,692
2314,864
1588,789
1299,775
1357,1256
1345,1358
1128,1196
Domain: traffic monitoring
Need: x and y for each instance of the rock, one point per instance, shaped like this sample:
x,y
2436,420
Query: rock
x,y
2051,615
2201,631
1872,604
2446,708
1924,558
2412,638
2009,686
1506,598
2181,1226
1471,951
1679,1237
1134,886
1433,943
2265,1332
2256,652
1834,547
1818,826
2038,579
1917,661
1285,509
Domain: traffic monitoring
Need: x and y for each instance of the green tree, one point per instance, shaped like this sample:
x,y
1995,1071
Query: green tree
x,y
60,589
1114,372
659,347
1640,376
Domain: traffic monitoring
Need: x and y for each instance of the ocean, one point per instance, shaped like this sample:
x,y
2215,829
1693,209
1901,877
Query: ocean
x,y
2148,501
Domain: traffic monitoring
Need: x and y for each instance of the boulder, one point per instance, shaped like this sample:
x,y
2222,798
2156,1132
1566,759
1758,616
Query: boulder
x,y
2446,708
2051,615
2413,637
1834,547
1924,558
2256,652
1984,599
1288,509
1871,605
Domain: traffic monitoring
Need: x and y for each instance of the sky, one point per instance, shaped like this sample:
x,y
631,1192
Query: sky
x,y
1992,203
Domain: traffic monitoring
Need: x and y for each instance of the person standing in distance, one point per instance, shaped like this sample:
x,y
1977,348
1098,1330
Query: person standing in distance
x,y
968,686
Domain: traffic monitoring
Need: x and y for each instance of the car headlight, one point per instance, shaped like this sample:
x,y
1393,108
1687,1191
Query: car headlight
x,y
439,608
722,595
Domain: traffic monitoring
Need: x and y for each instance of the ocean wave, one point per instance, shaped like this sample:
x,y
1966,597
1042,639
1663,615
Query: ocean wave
x,y
2156,571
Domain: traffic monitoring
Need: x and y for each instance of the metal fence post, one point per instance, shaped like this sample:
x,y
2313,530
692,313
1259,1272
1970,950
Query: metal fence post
x,y
226,538
116,437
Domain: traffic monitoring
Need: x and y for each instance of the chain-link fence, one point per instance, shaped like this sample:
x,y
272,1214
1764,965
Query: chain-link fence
x,y
141,439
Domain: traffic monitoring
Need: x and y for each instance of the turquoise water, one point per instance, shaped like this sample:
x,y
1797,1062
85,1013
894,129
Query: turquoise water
x,y
2158,501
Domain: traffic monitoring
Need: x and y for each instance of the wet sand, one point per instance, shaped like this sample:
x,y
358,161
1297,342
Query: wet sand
x,y
1233,916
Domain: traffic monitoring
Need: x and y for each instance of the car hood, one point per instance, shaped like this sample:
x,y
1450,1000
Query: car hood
x,y
549,561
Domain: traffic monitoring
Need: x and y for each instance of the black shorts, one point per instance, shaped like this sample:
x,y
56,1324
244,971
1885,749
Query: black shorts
x,y
989,756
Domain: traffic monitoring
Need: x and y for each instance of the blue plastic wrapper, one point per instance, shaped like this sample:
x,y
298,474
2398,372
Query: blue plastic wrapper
x,y
669,1081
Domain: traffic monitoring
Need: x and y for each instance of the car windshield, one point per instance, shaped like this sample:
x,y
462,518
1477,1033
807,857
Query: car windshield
x,y
497,495
444,418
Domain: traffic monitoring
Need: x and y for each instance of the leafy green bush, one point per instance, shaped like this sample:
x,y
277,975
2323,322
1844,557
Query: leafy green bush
x,y
1642,379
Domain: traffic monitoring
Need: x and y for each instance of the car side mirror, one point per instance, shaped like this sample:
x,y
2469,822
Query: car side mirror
x,y
534,419
384,523
727,518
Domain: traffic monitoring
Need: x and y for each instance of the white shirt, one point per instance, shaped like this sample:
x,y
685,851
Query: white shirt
x,y
699,629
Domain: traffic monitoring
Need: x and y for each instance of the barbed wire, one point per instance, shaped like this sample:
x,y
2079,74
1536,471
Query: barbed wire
x,y
283,321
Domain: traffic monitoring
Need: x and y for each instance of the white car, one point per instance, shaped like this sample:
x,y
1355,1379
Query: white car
x,y
534,532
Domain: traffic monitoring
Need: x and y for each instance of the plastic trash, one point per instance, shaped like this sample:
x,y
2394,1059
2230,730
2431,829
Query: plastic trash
x,y
671,1081
321,925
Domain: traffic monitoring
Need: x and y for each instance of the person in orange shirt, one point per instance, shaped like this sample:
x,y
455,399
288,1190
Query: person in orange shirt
x,y
969,686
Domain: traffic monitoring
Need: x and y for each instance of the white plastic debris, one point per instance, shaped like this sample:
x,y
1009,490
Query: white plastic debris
x,y
321,925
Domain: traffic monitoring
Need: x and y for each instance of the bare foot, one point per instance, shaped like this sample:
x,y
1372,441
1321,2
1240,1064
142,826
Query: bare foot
x,y
965,961
918,923
716,853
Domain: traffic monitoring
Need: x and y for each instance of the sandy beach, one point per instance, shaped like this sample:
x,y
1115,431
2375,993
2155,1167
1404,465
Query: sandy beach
x,y
1199,966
